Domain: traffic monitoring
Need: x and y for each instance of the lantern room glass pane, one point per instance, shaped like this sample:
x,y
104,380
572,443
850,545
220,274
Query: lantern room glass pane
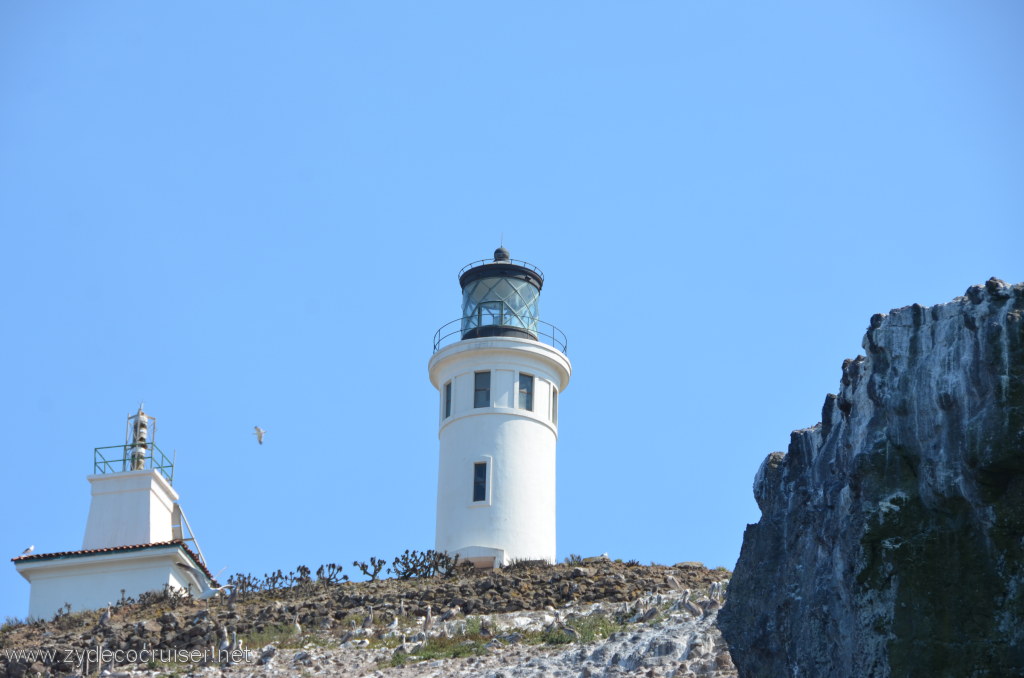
x,y
500,301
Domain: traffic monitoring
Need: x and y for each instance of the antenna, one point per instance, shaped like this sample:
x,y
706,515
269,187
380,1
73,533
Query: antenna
x,y
501,240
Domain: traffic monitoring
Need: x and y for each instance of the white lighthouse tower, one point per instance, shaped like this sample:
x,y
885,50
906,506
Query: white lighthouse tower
x,y
499,370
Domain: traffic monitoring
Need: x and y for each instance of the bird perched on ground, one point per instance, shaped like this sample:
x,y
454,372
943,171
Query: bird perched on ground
x,y
649,614
569,631
428,621
29,550
105,617
296,625
225,644
368,620
690,606
451,612
674,583
709,605
259,433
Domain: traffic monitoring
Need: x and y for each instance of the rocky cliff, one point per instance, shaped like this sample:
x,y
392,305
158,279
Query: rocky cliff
x,y
891,541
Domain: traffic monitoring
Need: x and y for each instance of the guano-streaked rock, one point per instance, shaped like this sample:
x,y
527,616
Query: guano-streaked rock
x,y
891,541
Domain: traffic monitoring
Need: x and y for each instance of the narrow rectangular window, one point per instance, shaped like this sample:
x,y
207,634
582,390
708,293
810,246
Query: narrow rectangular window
x,y
554,405
448,400
482,390
526,392
480,481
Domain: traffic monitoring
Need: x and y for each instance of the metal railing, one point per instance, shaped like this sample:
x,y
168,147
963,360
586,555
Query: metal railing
x,y
545,333
124,460
514,262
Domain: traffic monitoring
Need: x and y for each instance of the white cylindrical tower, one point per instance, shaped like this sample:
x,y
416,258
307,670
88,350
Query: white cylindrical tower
x,y
499,370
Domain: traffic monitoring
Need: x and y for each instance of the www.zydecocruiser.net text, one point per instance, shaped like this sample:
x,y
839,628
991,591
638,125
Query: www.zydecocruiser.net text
x,y
80,657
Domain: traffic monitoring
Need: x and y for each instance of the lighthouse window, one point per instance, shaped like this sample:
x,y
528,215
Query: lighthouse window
x,y
482,391
526,392
554,405
480,481
448,400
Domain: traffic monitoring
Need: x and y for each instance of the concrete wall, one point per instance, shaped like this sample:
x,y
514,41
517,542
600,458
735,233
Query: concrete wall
x,y
90,581
517,518
129,508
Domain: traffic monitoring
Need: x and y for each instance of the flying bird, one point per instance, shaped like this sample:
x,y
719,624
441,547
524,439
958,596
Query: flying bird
x,y
215,591
259,433
206,591
29,550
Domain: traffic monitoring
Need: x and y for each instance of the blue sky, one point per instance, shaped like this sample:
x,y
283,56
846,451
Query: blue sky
x,y
253,213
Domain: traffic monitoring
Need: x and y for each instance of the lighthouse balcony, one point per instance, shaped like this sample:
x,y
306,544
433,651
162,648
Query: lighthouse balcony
x,y
499,325
132,457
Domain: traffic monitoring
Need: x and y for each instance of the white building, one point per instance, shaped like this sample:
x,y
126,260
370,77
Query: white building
x,y
499,370
135,535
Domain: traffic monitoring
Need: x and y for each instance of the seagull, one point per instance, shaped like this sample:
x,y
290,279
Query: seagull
x,y
29,550
259,433
205,590
215,591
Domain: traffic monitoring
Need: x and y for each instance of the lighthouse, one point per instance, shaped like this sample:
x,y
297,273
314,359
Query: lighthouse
x,y
137,538
499,370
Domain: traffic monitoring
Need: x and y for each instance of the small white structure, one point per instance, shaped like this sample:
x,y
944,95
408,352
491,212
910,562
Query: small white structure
x,y
499,370
134,537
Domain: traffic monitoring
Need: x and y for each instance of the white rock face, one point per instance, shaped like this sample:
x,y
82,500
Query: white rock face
x,y
678,644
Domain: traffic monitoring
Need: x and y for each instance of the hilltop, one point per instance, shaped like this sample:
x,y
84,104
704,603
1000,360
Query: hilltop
x,y
595,618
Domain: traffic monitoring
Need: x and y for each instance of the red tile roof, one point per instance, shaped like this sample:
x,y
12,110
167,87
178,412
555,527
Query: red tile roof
x,y
113,549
